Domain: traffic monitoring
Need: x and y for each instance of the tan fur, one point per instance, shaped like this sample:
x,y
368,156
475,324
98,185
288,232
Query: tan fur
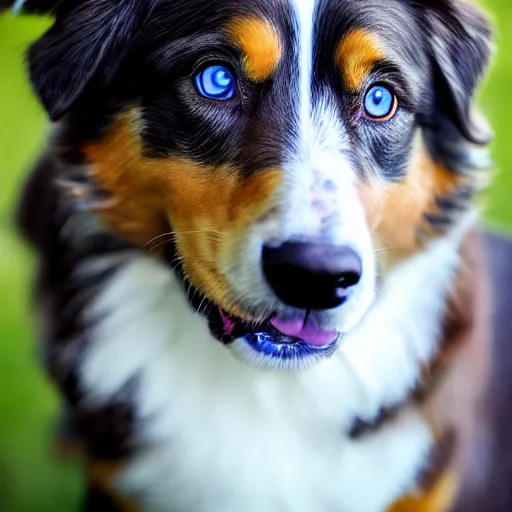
x,y
101,475
396,211
260,44
439,498
209,207
135,208
356,55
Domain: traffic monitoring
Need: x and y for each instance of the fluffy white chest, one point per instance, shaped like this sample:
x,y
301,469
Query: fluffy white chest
x,y
221,436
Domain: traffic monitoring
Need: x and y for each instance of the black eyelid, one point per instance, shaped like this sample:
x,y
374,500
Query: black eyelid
x,y
205,62
380,83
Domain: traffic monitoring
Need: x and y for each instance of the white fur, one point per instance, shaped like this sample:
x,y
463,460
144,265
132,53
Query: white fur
x,y
222,436
304,28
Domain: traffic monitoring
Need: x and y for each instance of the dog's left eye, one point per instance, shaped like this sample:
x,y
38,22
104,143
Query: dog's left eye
x,y
216,82
380,104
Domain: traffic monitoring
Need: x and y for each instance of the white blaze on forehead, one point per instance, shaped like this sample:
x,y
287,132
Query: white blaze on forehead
x,y
319,198
305,11
318,124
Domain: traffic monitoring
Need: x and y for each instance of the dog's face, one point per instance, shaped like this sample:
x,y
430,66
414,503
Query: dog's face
x,y
296,150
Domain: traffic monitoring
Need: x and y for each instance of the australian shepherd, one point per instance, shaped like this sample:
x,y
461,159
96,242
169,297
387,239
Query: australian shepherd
x,y
260,282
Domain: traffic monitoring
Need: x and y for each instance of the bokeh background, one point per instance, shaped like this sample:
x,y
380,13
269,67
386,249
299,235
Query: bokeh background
x,y
32,478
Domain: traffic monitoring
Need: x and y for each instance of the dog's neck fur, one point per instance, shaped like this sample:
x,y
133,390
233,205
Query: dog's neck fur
x,y
219,435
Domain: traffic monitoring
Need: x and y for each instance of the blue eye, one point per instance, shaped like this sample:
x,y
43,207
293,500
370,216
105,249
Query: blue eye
x,y
380,103
215,82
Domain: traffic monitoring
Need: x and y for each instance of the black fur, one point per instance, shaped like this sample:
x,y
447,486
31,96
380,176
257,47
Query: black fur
x,y
98,499
87,41
460,39
108,431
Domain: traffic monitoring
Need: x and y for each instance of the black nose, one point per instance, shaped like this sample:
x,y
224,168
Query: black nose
x,y
311,276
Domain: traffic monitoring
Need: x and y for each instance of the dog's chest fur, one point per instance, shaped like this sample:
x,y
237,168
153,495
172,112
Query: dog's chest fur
x,y
218,435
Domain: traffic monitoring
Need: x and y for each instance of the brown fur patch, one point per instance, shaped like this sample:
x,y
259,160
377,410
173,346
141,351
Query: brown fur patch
x,y
439,498
458,375
440,460
135,207
104,473
101,475
209,207
356,55
398,212
260,44
68,449
452,394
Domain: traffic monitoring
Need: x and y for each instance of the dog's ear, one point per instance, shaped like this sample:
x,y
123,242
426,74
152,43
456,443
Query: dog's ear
x,y
460,39
88,37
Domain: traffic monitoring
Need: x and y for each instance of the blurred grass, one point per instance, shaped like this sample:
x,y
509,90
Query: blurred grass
x,y
496,105
30,478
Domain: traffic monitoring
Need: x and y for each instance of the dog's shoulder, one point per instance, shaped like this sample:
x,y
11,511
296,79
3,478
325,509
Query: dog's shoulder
x,y
37,204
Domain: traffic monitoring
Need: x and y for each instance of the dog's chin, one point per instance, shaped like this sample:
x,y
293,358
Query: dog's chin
x,y
273,343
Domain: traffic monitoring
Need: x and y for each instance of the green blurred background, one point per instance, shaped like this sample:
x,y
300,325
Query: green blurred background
x,y
31,477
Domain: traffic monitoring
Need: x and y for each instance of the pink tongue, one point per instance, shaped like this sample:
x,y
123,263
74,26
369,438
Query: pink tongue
x,y
310,335
229,325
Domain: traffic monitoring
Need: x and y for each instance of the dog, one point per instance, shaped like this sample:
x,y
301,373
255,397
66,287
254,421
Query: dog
x,y
260,284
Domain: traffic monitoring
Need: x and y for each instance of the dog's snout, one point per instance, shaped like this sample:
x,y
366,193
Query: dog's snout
x,y
311,276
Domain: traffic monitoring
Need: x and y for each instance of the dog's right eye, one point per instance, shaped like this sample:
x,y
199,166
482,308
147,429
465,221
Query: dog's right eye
x,y
216,82
380,104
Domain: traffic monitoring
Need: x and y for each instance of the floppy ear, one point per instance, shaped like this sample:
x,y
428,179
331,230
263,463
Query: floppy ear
x,y
89,37
460,41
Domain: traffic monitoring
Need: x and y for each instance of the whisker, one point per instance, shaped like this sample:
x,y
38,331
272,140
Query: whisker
x,y
159,237
163,238
392,248
175,262
200,305
196,291
155,246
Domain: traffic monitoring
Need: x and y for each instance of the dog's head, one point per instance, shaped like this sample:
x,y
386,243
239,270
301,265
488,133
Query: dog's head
x,y
289,152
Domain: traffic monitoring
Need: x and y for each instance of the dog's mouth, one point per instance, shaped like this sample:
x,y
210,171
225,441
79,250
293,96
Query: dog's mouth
x,y
289,342
273,343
